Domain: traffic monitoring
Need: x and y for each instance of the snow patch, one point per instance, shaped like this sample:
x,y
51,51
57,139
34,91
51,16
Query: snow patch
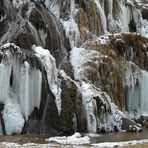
x,y
76,57
72,31
12,117
119,144
18,3
75,139
104,39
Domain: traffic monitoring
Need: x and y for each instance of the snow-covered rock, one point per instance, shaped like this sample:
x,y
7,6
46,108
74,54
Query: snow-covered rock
x,y
75,139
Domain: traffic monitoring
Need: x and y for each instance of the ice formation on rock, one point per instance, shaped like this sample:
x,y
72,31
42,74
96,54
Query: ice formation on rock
x,y
20,88
75,139
136,90
49,63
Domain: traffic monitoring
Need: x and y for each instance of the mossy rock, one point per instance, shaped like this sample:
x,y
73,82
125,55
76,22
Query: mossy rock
x,y
68,95
3,28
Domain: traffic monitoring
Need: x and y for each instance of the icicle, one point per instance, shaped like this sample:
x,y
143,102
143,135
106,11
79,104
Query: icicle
x,y
132,89
136,84
136,94
125,16
53,6
30,89
72,7
88,102
141,25
25,81
102,16
110,15
4,82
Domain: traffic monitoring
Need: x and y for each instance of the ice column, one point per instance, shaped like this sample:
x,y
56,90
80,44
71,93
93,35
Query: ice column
x,y
144,92
102,16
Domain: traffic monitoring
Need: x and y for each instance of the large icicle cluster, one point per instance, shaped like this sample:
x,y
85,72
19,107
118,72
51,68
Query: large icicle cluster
x,y
20,88
135,84
132,88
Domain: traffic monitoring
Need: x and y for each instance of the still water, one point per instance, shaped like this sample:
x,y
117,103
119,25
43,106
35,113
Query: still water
x,y
121,137
95,138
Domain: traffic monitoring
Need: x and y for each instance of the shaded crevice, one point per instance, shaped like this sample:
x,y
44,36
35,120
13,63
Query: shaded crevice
x,y
11,78
132,26
1,119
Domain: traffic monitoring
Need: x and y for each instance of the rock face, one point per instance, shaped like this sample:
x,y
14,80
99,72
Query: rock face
x,y
90,73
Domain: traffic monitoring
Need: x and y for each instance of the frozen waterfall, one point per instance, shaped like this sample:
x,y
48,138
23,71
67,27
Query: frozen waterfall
x,y
144,92
136,94
20,89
